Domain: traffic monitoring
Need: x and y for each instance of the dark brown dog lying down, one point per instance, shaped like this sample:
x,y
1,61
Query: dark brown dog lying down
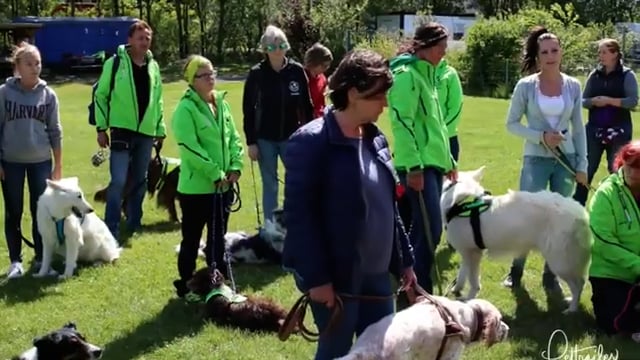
x,y
159,180
224,307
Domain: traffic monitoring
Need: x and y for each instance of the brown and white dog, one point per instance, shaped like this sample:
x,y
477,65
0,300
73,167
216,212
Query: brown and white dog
x,y
418,332
225,307
161,183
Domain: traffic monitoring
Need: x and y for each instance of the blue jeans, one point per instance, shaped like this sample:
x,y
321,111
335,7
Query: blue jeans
x,y
537,173
13,192
454,146
268,162
357,315
135,159
424,255
595,148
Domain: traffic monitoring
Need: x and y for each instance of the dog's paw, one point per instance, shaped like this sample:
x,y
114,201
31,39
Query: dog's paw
x,y
51,272
64,276
569,311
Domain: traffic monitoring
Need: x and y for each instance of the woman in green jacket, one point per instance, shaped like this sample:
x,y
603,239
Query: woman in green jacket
x,y
615,254
210,164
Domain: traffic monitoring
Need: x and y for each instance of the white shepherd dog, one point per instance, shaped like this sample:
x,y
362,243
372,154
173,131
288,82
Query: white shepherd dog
x,y
69,227
513,224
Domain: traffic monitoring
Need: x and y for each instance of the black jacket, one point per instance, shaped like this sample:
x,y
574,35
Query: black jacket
x,y
275,104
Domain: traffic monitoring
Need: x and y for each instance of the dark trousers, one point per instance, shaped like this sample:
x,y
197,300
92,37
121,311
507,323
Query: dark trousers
x,y
198,211
13,193
614,305
454,147
595,149
357,315
424,255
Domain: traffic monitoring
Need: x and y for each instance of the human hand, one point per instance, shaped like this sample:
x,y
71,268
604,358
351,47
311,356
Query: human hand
x,y
553,139
323,294
415,180
600,101
56,174
103,139
254,153
158,142
233,176
581,178
409,279
452,175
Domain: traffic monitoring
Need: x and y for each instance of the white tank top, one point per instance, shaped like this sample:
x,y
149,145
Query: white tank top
x,y
551,107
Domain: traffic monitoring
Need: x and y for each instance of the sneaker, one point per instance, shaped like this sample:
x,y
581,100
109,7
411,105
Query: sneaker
x,y
511,282
15,270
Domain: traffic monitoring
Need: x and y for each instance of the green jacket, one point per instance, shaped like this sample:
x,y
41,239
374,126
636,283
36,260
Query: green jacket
x,y
450,95
615,224
123,109
209,147
420,135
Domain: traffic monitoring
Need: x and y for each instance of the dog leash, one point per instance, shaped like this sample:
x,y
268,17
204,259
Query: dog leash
x,y
255,194
427,234
219,198
562,159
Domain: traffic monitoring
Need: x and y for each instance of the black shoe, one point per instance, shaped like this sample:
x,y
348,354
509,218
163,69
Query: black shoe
x,y
181,288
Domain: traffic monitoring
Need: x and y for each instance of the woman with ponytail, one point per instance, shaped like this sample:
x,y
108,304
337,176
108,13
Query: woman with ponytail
x,y
551,102
610,93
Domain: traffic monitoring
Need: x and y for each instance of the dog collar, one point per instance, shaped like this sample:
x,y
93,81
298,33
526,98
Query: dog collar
x,y
227,292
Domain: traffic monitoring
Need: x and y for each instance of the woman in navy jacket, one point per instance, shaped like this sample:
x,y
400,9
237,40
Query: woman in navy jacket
x,y
344,233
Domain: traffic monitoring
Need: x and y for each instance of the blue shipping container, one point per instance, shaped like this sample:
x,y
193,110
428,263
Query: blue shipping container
x,y
62,38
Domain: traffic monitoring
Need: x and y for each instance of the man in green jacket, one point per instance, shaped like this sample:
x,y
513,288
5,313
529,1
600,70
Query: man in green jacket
x,y
450,97
133,114
421,154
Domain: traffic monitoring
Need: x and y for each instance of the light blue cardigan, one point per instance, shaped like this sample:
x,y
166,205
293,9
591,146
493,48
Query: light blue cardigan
x,y
524,101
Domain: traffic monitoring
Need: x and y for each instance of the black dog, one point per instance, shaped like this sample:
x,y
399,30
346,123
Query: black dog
x,y
65,343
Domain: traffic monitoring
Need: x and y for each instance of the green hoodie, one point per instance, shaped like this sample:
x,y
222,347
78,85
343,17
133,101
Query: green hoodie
x,y
209,147
417,124
615,224
450,95
123,109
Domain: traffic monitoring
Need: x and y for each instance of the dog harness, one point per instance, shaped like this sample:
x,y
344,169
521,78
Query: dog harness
x,y
472,207
60,228
227,292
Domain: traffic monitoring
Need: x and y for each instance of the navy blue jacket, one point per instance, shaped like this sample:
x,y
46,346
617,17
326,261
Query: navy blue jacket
x,y
324,206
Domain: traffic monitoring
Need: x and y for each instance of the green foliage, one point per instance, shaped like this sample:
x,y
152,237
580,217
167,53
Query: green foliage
x,y
384,43
491,63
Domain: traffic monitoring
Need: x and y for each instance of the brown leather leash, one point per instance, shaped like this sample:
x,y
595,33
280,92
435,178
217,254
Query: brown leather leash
x,y
294,322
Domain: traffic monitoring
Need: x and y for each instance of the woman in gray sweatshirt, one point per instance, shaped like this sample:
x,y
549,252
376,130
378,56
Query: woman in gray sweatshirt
x,y
30,131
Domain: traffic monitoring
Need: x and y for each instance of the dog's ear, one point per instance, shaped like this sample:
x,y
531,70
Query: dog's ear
x,y
490,328
73,181
478,174
70,325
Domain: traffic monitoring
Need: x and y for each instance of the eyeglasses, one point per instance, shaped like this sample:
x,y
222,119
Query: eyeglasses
x,y
274,47
209,75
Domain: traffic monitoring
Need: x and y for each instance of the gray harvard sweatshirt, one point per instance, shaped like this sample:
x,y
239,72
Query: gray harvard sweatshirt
x,y
29,122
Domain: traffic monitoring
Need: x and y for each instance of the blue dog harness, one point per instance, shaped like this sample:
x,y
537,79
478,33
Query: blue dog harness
x,y
60,228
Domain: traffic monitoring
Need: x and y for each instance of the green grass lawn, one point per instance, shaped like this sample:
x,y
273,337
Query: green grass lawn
x,y
131,309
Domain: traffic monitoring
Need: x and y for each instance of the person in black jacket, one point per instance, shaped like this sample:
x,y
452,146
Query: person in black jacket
x,y
275,103
610,93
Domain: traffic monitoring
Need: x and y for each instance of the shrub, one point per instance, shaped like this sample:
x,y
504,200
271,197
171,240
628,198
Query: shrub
x,y
384,43
490,65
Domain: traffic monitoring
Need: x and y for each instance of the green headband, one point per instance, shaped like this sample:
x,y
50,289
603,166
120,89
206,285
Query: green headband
x,y
192,68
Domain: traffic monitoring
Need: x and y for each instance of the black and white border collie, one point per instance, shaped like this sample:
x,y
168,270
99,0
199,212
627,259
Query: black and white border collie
x,y
64,343
264,247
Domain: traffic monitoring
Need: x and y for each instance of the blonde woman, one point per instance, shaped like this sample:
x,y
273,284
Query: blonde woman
x,y
275,103
211,160
28,138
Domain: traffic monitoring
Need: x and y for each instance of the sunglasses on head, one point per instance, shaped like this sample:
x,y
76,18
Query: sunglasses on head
x,y
274,47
